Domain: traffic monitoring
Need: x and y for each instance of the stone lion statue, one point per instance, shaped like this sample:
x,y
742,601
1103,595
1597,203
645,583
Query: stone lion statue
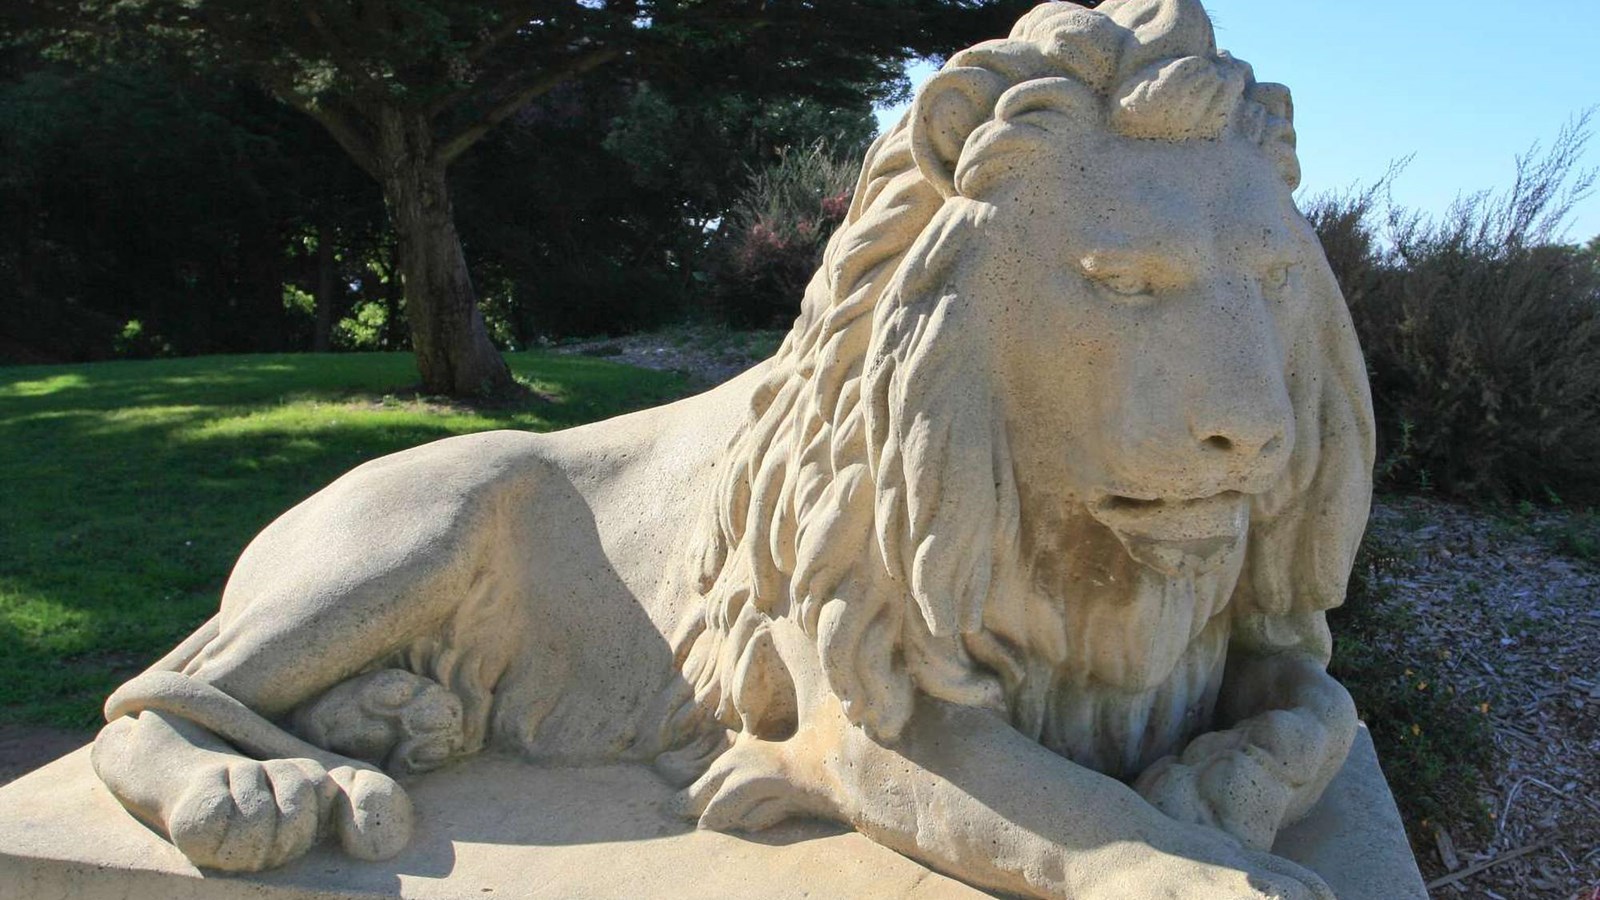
x,y
1014,558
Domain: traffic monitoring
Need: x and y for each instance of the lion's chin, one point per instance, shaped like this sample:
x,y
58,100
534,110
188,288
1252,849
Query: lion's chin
x,y
1177,537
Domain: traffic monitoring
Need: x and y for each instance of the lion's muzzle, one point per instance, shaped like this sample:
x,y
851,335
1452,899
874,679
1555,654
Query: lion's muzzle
x,y
1177,537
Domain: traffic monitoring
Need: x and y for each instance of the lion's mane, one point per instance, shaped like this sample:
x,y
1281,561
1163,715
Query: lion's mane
x,y
862,502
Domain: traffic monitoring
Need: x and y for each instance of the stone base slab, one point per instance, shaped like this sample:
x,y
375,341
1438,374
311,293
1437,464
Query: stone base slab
x,y
494,827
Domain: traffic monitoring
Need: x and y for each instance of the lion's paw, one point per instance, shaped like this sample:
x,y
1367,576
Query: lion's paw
x,y
1202,863
246,815
1230,791
1279,879
750,787
391,717
1170,786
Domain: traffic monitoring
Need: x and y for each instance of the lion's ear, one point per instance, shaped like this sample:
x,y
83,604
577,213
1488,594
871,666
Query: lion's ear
x,y
950,106
1276,135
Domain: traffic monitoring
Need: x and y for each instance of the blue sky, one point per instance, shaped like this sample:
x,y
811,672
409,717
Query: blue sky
x,y
1464,85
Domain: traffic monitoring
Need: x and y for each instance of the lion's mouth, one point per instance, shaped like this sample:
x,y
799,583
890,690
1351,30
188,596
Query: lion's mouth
x,y
1177,537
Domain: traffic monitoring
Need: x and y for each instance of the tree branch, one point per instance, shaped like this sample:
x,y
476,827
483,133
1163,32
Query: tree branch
x,y
476,53
344,131
450,149
348,136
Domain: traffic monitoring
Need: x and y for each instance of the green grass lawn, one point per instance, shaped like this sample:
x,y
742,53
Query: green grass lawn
x,y
128,488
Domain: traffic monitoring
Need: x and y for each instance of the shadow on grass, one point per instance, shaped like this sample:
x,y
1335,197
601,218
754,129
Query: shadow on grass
x,y
128,489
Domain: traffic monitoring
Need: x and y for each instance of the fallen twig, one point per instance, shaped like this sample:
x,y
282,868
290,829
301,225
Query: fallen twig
x,y
1474,869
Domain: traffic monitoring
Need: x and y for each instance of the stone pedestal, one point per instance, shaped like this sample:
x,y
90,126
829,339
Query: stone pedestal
x,y
493,827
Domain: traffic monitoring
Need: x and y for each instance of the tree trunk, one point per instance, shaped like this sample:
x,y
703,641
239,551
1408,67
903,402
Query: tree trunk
x,y
322,337
454,353
390,336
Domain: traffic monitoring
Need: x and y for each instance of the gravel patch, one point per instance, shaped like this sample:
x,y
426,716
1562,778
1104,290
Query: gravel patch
x,y
707,356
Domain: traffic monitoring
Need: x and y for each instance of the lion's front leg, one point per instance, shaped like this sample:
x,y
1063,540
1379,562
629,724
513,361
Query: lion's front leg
x,y
966,794
1293,727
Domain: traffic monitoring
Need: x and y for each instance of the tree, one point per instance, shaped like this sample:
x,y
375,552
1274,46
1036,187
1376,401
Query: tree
x,y
146,211
408,86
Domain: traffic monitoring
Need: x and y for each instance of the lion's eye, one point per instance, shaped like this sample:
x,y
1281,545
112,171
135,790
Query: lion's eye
x,y
1124,283
1120,274
1279,276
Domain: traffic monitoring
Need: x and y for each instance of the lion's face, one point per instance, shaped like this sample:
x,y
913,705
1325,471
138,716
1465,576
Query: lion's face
x,y
1140,294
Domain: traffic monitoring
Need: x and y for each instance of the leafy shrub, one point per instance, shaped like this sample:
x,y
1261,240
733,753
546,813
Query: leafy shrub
x,y
363,329
1481,332
1435,743
135,341
771,243
1572,534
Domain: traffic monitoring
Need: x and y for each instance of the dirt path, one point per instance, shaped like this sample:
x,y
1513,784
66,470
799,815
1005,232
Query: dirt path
x,y
24,748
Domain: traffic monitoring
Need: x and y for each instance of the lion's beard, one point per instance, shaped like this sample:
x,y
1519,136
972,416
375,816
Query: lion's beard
x,y
1103,660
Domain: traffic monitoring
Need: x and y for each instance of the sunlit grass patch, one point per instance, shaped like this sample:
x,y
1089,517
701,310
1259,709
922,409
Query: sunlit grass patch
x,y
128,488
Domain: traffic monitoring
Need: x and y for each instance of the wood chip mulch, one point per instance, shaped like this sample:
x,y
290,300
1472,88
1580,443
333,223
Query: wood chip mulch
x,y
1505,612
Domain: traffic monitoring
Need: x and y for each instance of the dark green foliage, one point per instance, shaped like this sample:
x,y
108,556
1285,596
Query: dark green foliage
x,y
1435,743
562,239
1577,536
631,125
594,210
142,215
131,486
1481,333
1574,534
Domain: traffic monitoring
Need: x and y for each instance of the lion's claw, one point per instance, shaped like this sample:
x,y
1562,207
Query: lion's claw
x,y
750,787
373,814
248,815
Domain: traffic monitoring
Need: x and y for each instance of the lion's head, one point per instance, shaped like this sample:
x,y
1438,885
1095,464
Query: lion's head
x,y
1073,394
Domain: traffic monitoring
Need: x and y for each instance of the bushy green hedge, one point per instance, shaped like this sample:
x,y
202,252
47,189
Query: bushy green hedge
x,y
1481,333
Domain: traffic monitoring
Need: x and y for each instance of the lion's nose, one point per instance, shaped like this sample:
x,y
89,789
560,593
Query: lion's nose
x,y
1242,442
1251,445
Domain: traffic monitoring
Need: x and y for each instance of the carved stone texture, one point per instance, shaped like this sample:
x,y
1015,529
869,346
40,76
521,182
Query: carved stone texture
x,y
1014,558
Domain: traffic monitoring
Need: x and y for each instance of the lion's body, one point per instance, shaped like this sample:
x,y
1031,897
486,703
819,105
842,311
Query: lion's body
x,y
449,553
1066,455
